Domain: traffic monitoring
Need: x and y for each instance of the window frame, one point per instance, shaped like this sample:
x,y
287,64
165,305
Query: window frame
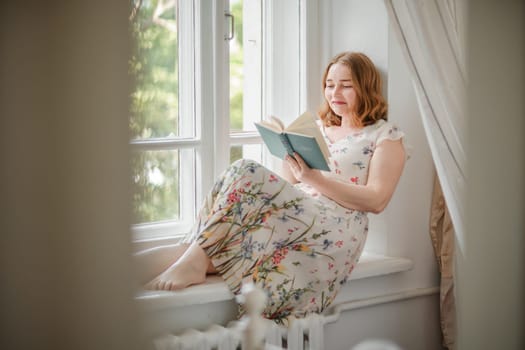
x,y
208,55
185,145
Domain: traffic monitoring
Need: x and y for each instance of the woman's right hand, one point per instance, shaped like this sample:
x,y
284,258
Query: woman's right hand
x,y
301,171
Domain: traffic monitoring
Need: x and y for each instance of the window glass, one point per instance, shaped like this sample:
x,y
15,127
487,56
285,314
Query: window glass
x,y
168,154
154,66
253,152
245,65
156,186
161,111
236,68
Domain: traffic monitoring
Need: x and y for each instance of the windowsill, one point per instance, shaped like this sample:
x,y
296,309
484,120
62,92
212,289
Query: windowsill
x,y
216,290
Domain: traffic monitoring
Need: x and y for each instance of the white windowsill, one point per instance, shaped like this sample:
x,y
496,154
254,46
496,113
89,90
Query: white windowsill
x,y
216,290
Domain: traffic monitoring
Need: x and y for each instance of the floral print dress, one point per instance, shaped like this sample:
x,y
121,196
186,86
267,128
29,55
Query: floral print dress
x,y
295,244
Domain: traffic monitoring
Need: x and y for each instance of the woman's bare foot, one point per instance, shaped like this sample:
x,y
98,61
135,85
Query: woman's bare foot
x,y
151,262
190,269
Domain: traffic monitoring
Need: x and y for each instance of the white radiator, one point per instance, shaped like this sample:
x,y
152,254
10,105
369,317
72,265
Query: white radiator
x,y
303,334
252,332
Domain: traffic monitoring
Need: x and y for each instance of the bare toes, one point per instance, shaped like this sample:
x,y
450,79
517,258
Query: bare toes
x,y
152,285
163,285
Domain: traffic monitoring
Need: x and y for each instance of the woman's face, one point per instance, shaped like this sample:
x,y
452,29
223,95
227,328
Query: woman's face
x,y
339,91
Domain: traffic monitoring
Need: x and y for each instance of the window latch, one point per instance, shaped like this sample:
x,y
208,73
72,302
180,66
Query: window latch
x,y
229,36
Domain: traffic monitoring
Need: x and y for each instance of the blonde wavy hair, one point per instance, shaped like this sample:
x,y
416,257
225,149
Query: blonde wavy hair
x,y
370,104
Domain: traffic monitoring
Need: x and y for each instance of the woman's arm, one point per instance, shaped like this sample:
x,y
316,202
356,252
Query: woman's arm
x,y
384,172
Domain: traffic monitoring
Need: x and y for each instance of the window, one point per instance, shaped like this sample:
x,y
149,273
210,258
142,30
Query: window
x,y
245,79
204,72
162,120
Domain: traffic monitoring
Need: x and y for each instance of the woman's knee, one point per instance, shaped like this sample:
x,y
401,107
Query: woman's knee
x,y
245,167
248,164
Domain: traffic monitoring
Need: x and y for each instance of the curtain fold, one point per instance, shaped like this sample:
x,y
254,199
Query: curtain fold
x,y
427,31
442,236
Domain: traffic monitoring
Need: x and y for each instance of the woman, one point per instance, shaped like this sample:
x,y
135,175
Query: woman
x,y
297,237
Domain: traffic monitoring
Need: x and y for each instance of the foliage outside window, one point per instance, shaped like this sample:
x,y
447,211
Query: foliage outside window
x,y
154,111
236,77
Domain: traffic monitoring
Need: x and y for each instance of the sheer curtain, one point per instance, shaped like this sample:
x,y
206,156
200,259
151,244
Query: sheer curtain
x,y
430,33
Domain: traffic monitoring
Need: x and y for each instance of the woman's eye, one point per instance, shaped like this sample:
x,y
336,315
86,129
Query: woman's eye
x,y
347,86
329,86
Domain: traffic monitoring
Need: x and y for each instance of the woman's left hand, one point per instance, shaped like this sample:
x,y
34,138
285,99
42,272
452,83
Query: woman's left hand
x,y
301,171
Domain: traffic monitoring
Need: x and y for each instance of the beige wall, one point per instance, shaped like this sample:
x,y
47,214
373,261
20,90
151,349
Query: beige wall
x,y
65,271
490,281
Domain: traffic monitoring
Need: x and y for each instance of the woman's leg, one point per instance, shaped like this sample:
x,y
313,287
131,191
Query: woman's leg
x,y
191,268
188,269
151,262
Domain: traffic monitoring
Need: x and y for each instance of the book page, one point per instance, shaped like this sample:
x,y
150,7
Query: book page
x,y
305,125
304,122
273,123
274,120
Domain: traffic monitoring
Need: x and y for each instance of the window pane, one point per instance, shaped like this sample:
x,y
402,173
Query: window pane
x,y
236,68
156,182
253,152
245,65
154,66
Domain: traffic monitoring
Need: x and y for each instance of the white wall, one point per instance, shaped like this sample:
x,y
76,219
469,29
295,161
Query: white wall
x,y
407,324
402,229
359,26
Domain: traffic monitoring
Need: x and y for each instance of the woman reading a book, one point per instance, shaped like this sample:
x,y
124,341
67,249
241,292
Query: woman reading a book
x,y
297,237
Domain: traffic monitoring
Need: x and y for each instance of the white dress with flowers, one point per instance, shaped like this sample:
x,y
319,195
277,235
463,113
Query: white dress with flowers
x,y
296,245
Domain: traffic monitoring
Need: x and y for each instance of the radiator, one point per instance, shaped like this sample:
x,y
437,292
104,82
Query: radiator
x,y
252,332
303,334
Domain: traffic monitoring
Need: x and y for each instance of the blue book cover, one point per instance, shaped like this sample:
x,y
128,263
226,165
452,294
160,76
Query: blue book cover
x,y
302,136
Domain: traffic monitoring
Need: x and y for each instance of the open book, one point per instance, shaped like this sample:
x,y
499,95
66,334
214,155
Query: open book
x,y
302,136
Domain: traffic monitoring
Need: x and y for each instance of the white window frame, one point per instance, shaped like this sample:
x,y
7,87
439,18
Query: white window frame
x,y
290,45
204,61
189,125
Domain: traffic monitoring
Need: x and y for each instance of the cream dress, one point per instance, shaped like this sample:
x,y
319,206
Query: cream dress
x,y
296,245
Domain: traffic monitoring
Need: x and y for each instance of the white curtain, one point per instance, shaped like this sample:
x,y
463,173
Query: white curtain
x,y
430,36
